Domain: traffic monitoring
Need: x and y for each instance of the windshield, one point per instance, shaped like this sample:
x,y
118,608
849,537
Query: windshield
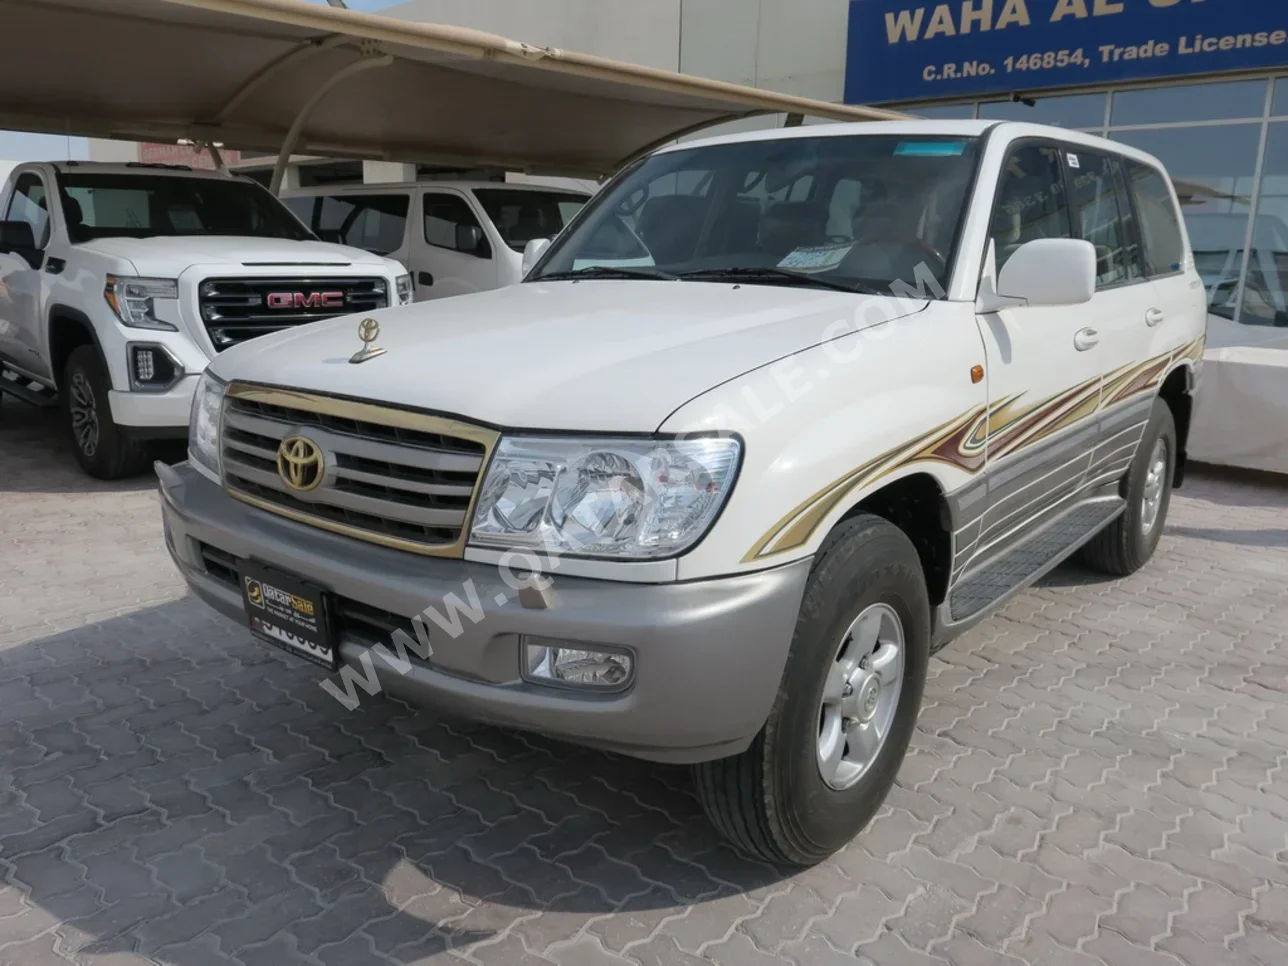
x,y
98,205
521,216
858,212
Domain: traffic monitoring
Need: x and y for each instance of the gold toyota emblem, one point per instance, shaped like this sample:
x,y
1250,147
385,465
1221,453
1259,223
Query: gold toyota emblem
x,y
299,463
368,330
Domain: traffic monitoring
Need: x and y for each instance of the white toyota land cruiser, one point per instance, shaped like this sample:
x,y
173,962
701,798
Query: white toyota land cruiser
x,y
775,417
120,282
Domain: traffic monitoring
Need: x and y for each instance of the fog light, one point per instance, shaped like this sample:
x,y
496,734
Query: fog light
x,y
572,664
152,368
145,365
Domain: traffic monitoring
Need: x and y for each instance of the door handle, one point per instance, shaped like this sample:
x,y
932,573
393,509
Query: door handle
x,y
1154,317
424,278
1086,339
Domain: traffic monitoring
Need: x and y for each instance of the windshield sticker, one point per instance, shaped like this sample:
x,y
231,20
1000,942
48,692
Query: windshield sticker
x,y
1074,161
930,149
821,259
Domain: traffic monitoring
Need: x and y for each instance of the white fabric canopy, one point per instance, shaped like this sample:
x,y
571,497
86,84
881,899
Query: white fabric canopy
x,y
1241,414
261,74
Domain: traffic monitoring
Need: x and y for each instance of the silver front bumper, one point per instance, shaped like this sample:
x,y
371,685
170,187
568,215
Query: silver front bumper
x,y
709,654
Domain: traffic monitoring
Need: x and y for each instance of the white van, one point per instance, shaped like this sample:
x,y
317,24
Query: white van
x,y
465,236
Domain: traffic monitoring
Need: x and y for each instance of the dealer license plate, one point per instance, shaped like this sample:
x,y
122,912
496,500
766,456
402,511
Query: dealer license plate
x,y
288,613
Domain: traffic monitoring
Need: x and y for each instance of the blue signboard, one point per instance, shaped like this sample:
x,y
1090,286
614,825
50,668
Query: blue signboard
x,y
905,50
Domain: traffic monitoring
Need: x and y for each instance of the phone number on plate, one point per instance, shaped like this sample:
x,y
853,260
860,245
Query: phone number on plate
x,y
1048,60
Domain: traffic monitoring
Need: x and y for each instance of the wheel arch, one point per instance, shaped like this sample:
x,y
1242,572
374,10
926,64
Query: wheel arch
x,y
69,329
917,504
1177,391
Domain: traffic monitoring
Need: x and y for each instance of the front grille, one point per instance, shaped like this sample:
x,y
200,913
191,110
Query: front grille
x,y
399,485
237,309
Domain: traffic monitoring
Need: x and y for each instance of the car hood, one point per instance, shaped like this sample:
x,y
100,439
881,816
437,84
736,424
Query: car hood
x,y
169,256
594,355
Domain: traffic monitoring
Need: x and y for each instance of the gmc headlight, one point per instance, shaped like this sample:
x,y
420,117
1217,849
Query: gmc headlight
x,y
403,285
203,426
626,499
133,300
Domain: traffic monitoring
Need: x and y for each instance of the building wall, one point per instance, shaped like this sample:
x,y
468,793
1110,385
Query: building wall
x,y
641,33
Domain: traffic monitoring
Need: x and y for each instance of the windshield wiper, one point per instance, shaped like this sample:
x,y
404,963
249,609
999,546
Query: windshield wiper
x,y
769,275
608,271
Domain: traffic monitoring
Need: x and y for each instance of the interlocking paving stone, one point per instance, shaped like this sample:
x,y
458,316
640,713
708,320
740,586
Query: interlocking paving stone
x,y
1099,776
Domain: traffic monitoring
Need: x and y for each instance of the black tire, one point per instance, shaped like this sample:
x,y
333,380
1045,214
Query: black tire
x,y
1126,545
772,801
102,450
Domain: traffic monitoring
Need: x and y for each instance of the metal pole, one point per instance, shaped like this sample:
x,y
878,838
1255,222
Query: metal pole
x,y
293,135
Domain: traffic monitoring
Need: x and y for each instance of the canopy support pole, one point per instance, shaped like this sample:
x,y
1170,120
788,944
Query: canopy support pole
x,y
215,156
274,67
368,61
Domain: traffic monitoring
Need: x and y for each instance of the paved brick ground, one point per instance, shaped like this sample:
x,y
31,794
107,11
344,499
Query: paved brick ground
x,y
1099,777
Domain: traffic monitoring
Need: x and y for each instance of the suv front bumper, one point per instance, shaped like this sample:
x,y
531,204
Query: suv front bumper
x,y
155,414
709,655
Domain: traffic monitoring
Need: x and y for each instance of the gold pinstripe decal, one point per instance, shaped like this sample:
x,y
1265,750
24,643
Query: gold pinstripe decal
x,y
1002,429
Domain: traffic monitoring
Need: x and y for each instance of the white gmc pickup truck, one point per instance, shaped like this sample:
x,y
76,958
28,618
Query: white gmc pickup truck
x,y
120,282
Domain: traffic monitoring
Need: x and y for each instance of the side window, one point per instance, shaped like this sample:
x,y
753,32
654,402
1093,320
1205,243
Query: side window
x,y
445,216
1097,218
1160,227
376,223
30,204
1031,201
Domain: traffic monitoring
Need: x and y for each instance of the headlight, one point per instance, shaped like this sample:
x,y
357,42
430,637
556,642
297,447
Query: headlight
x,y
132,299
203,426
617,498
403,285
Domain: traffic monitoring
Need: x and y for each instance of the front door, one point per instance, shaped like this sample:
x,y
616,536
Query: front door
x,y
1044,367
452,255
21,285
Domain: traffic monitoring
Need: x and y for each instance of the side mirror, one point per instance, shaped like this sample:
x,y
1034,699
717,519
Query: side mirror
x,y
1050,271
532,253
17,237
469,239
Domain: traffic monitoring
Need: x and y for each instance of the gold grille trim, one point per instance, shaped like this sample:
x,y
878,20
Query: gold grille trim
x,y
397,419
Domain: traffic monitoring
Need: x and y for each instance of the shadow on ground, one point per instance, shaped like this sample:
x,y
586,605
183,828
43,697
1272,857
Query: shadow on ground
x,y
171,788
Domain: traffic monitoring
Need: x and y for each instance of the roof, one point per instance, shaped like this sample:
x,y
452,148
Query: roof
x,y
109,167
240,71
911,126
377,187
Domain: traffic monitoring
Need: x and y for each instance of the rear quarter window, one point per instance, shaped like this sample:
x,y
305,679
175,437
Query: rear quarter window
x,y
1160,225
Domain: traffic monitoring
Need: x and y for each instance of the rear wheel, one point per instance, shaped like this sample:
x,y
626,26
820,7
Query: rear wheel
x,y
840,726
1127,544
102,450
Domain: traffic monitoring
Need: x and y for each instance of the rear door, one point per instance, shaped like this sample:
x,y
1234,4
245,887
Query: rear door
x,y
451,252
1043,371
22,287
1126,301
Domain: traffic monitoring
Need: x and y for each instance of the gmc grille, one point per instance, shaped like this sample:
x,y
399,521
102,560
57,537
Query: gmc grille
x,y
237,309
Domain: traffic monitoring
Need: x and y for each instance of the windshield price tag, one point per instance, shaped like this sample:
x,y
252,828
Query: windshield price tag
x,y
821,259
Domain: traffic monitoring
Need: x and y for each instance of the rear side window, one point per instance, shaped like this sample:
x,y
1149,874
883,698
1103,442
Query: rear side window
x,y
1099,217
1160,227
376,223
1031,201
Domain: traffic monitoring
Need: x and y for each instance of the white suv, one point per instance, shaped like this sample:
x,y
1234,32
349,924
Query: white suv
x,y
120,282
775,417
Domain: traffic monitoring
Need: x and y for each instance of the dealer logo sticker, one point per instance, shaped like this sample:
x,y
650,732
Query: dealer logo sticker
x,y
254,592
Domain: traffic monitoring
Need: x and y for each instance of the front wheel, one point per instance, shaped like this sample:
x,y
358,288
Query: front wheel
x,y
1127,544
845,711
101,448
